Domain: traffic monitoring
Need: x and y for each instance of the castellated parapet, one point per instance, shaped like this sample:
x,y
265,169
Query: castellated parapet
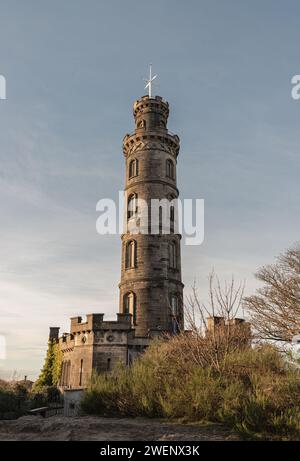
x,y
97,345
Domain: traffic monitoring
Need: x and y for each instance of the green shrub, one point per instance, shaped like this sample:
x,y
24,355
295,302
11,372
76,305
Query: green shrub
x,y
8,401
12,403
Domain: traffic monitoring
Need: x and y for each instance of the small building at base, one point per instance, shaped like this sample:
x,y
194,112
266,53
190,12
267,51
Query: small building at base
x,y
97,345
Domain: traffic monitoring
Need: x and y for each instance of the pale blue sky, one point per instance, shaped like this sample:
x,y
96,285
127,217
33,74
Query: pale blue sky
x,y
73,70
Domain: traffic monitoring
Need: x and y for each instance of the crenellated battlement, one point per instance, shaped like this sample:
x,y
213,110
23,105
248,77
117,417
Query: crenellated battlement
x,y
151,112
94,322
151,116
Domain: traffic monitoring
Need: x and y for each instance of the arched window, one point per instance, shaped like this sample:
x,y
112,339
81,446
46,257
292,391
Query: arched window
x,y
131,254
130,305
172,212
170,171
173,255
174,302
131,205
133,168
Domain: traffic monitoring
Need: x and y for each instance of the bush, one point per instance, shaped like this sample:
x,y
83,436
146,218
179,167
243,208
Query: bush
x,y
44,396
16,400
37,400
256,392
12,404
8,401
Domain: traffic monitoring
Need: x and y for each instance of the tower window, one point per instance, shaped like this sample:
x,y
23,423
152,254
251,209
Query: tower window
x,y
172,214
172,219
174,302
131,254
133,168
132,206
160,218
173,203
170,170
130,305
173,255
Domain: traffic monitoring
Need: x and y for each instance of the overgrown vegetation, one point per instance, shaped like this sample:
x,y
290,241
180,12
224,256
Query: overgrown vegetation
x,y
208,374
256,393
12,400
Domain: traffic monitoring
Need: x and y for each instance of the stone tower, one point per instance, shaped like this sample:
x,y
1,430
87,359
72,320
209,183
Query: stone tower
x,y
151,288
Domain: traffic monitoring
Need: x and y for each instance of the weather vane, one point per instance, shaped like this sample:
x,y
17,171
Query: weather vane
x,y
149,82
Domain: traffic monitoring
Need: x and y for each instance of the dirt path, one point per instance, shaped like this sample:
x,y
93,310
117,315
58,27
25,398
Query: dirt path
x,y
106,429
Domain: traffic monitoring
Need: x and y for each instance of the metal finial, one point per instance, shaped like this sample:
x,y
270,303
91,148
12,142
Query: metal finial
x,y
149,82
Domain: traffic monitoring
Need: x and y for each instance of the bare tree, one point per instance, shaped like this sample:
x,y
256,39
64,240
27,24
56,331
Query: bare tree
x,y
213,329
275,309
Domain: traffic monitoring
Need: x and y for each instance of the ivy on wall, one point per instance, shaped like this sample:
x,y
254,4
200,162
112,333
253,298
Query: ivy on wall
x,y
51,370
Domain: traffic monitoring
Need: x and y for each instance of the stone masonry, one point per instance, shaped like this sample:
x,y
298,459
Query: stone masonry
x,y
152,279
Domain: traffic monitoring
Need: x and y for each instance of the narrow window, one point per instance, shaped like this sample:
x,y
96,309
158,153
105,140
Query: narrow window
x,y
81,372
133,168
130,305
173,255
174,305
131,254
170,169
172,219
160,217
175,313
173,203
132,206
108,365
68,373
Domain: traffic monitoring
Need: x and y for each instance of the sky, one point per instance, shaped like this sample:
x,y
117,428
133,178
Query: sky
x,y
73,70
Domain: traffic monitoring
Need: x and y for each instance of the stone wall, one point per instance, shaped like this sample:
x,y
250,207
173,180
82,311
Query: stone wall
x,y
97,345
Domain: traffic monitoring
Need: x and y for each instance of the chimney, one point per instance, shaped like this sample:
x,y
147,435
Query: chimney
x,y
53,334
